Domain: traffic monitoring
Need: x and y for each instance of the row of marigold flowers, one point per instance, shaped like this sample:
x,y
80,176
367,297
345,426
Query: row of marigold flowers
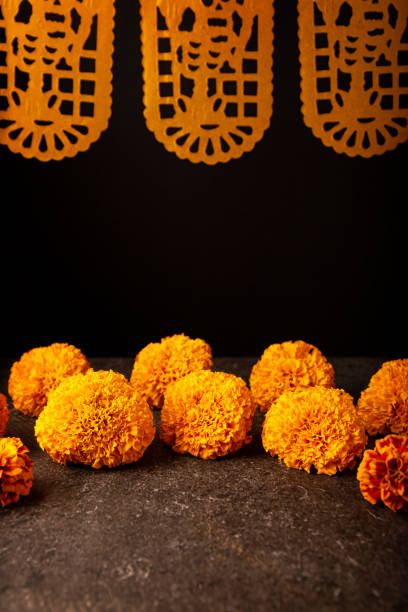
x,y
99,418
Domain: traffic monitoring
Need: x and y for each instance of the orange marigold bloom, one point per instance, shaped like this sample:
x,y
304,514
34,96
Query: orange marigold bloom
x,y
96,418
4,414
285,366
316,427
383,473
41,370
207,414
161,363
16,470
383,406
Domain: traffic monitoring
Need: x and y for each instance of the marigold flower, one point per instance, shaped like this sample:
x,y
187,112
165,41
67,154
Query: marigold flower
x,y
16,470
316,427
39,371
383,406
285,366
161,363
4,414
96,418
383,473
207,414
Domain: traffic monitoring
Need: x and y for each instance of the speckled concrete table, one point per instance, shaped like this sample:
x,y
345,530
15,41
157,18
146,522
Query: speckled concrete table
x,y
175,533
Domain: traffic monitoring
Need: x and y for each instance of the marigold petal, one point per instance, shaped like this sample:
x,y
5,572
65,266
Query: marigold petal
x,y
314,426
16,472
41,370
207,414
383,473
286,366
383,406
97,419
4,414
159,364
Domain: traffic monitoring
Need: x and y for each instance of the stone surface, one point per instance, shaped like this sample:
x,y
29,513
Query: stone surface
x,y
177,533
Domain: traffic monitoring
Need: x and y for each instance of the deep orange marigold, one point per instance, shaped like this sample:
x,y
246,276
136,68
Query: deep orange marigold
x,y
383,406
316,427
96,418
383,473
290,365
16,470
207,414
161,363
41,370
4,414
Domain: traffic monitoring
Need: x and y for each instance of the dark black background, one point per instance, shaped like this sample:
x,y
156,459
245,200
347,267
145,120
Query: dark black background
x,y
126,243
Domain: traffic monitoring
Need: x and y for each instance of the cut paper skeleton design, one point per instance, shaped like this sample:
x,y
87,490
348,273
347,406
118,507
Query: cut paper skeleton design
x,y
55,75
354,69
208,75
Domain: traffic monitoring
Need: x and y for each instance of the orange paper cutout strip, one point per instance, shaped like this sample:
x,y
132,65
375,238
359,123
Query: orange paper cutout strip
x,y
55,75
207,75
354,71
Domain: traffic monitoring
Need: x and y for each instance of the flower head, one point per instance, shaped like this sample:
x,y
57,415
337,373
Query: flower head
x,y
207,414
161,363
316,427
4,414
97,419
39,371
383,406
383,473
16,470
290,365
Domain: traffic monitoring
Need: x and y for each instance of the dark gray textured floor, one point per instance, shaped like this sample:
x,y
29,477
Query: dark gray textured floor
x,y
181,534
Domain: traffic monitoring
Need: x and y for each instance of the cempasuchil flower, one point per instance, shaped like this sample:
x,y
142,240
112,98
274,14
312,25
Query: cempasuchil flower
x,y
39,371
161,363
383,406
207,414
285,366
16,470
383,473
316,427
96,418
4,414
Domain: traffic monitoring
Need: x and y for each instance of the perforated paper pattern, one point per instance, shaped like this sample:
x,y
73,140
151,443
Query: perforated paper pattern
x,y
55,75
207,75
354,70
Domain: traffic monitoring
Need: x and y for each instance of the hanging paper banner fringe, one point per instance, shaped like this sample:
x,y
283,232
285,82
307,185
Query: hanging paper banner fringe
x,y
55,75
354,71
207,75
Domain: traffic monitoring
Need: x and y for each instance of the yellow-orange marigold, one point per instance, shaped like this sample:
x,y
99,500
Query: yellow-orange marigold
x,y
4,414
41,370
96,418
289,365
316,427
383,473
161,363
383,406
16,470
207,414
